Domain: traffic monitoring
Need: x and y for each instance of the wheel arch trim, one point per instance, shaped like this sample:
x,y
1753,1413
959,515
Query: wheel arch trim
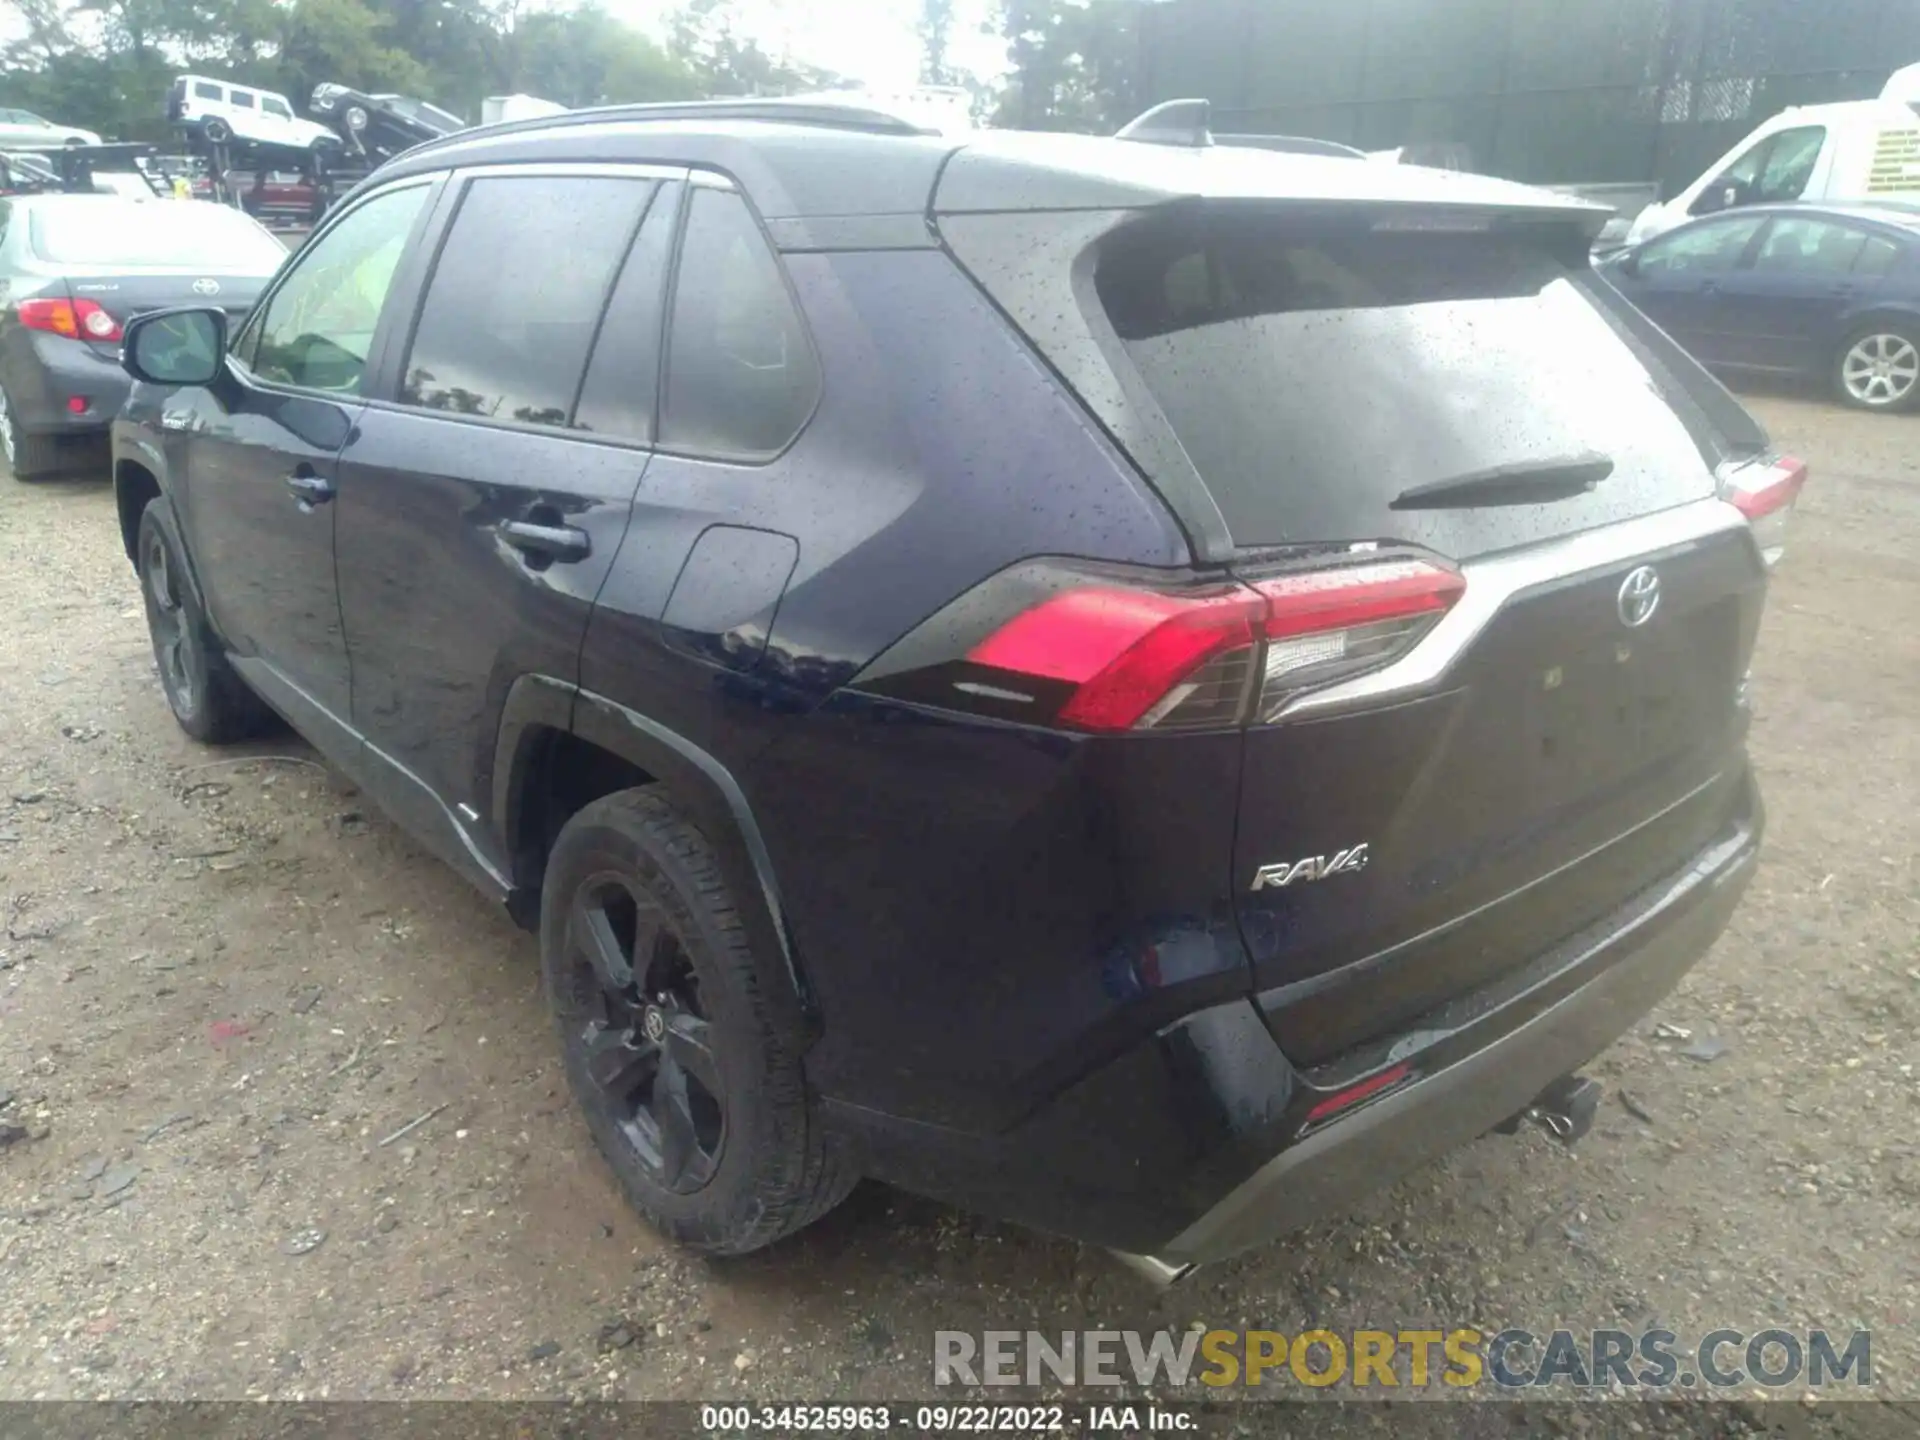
x,y
692,775
174,522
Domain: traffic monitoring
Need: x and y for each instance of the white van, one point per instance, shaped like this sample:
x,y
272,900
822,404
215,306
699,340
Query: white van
x,y
1850,151
222,113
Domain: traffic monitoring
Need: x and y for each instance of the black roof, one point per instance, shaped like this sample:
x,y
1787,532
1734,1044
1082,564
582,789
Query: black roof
x,y
805,159
794,160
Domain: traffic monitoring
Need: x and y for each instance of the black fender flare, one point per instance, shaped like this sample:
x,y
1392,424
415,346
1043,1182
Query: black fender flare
x,y
164,499
147,457
697,781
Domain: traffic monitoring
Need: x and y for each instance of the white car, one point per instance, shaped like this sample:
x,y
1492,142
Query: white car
x,y
24,130
223,113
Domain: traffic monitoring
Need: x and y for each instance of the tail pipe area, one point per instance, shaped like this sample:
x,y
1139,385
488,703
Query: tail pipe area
x,y
1565,1110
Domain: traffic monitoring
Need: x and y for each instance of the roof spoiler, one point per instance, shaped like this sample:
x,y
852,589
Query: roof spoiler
x,y
1173,122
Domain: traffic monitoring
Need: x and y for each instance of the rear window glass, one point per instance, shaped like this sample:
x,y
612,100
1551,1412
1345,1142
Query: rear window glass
x,y
1314,373
154,235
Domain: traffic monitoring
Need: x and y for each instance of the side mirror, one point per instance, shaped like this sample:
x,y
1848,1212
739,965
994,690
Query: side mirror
x,y
175,347
1629,263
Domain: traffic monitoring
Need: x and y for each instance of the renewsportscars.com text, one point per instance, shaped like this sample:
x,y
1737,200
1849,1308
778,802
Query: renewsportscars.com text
x,y
1406,1359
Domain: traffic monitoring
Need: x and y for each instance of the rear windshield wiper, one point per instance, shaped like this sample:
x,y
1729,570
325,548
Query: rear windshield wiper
x,y
1533,482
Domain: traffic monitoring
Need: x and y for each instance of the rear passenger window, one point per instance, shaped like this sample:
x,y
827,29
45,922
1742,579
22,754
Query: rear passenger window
x,y
1876,257
623,380
242,100
516,297
741,376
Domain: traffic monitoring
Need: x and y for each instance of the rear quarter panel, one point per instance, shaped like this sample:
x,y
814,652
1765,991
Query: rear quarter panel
x,y
942,451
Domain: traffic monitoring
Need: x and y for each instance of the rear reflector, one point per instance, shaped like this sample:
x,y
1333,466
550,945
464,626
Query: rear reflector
x,y
1115,651
1354,1094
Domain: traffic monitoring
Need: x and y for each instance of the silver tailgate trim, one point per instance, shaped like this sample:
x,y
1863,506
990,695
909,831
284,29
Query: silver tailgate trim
x,y
1494,582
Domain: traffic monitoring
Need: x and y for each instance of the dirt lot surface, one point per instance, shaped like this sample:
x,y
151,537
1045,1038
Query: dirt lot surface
x,y
226,981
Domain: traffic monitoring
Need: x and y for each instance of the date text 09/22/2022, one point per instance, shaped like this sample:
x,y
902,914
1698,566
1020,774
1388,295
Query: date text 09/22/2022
x,y
958,1419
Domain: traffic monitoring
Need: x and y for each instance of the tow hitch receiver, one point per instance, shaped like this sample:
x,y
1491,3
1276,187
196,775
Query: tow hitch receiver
x,y
1564,1109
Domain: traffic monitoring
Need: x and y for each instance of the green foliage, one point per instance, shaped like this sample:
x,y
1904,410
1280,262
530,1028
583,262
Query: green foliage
x,y
705,36
1076,64
586,57
107,64
936,30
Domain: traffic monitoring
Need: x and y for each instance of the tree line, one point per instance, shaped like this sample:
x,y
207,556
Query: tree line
x,y
106,65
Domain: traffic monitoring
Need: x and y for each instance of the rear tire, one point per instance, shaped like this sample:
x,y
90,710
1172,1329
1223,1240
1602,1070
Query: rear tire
x,y
216,131
211,702
1878,367
690,1087
29,457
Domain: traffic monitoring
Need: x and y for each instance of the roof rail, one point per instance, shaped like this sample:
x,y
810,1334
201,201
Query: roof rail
x,y
785,110
1174,122
1292,145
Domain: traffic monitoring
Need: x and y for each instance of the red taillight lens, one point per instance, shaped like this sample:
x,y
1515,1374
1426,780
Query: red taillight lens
x,y
1764,491
56,317
1105,652
1124,651
1759,490
75,319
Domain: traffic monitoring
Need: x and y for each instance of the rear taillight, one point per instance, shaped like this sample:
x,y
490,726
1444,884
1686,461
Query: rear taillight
x,y
1100,650
75,319
1765,491
1326,625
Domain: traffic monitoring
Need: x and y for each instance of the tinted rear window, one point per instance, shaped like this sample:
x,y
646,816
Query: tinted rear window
x,y
1314,372
137,235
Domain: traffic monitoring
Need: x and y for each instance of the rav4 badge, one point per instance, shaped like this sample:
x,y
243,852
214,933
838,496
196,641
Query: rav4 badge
x,y
1314,867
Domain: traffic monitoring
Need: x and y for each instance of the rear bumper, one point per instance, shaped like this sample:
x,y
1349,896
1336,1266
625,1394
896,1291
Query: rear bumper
x,y
1326,1172
1194,1146
50,371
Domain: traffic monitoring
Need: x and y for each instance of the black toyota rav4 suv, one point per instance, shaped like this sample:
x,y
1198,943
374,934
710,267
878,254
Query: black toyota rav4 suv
x,y
1142,688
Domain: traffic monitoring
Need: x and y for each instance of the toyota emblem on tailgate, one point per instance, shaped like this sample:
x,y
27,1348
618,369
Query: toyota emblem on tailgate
x,y
1639,596
206,287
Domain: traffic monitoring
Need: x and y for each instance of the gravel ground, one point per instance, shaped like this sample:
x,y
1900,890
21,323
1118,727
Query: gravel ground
x,y
225,982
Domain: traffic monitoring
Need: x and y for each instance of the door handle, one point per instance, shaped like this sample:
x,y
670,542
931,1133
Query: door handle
x,y
565,543
1709,287
309,489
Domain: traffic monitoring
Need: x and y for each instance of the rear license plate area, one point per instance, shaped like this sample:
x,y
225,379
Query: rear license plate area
x,y
1601,714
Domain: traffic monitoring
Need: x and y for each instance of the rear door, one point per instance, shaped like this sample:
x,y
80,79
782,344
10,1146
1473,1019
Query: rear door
x,y
481,500
1784,308
1568,731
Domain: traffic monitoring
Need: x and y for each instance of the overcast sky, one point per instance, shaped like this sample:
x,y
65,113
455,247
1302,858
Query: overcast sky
x,y
867,40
